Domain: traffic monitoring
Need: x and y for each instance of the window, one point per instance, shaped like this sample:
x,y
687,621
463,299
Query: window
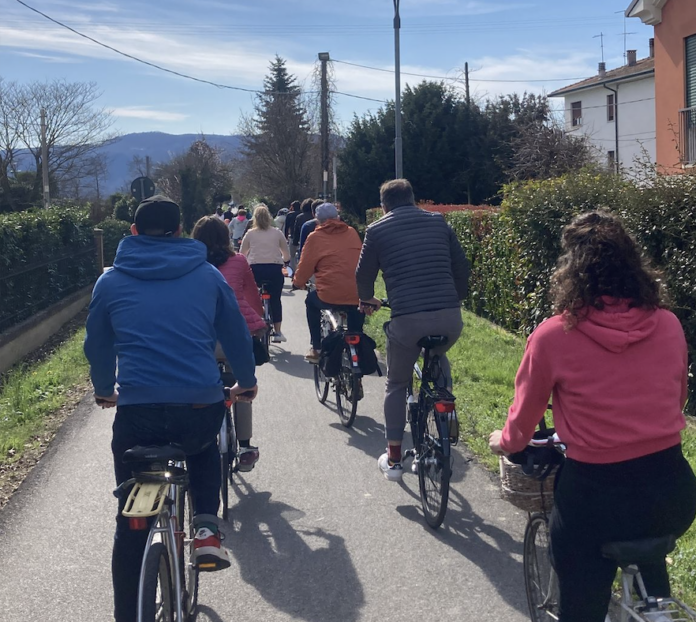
x,y
690,64
611,107
576,113
611,160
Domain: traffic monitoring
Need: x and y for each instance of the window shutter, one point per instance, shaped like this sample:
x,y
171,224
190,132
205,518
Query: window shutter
x,y
690,71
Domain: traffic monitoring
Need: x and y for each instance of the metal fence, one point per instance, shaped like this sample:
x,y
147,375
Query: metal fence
x,y
687,136
34,287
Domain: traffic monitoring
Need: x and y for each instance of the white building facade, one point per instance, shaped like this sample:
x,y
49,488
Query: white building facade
x,y
615,110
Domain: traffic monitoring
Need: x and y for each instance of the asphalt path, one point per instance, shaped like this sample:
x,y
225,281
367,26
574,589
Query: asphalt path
x,y
316,533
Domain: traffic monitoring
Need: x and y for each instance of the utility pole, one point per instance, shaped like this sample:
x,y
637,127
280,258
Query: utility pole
x,y
398,152
44,160
324,58
147,166
466,84
335,180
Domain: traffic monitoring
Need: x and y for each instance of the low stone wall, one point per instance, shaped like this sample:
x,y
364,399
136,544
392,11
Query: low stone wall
x,y
31,334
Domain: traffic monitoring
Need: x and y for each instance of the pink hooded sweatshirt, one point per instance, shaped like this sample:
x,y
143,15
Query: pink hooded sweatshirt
x,y
240,278
618,381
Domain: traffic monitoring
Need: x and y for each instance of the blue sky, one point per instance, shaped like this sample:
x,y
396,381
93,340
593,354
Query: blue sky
x,y
510,45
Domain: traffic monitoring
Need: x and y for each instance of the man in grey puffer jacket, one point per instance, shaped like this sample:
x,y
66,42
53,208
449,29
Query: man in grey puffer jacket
x,y
426,274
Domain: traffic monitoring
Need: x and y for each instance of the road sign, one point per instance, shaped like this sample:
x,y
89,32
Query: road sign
x,y
142,188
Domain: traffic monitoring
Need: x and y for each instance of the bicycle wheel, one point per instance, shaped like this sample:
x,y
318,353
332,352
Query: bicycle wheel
x,y
321,384
540,579
157,597
187,571
348,387
433,468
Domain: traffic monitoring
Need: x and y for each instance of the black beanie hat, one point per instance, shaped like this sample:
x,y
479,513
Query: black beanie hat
x,y
157,214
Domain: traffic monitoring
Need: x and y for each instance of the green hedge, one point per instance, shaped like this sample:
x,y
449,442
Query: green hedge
x,y
45,255
114,231
514,253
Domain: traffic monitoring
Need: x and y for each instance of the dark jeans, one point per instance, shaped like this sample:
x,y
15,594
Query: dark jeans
x,y
194,429
356,319
272,275
651,496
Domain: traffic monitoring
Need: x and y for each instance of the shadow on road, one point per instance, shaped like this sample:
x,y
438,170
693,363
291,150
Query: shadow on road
x,y
365,434
491,548
305,572
292,364
206,614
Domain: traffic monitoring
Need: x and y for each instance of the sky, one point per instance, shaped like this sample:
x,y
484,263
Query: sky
x,y
510,46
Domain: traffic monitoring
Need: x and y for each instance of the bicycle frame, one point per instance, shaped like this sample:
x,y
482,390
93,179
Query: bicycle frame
x,y
164,529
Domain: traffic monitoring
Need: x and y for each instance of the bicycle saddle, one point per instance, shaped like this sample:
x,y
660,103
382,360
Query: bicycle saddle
x,y
154,453
432,341
646,551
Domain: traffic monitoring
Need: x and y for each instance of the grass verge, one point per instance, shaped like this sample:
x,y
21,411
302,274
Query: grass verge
x,y
484,362
31,394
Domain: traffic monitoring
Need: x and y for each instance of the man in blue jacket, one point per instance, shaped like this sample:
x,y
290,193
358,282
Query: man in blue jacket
x,y
158,314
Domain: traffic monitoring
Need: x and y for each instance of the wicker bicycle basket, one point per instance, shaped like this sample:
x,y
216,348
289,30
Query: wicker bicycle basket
x,y
524,491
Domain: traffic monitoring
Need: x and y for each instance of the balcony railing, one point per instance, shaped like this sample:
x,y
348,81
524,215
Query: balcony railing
x,y
687,136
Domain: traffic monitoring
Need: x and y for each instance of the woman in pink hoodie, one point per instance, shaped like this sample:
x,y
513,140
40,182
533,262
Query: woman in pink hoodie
x,y
614,361
234,267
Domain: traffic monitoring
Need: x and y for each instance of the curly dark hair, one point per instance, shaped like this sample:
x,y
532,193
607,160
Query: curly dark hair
x,y
216,236
600,258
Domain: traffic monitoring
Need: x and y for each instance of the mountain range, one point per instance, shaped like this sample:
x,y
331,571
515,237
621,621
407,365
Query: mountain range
x,y
159,146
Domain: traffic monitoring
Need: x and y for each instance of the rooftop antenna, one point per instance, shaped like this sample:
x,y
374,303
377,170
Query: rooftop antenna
x,y
601,42
624,34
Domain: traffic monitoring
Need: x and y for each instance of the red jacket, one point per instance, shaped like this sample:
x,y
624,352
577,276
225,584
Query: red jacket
x,y
240,278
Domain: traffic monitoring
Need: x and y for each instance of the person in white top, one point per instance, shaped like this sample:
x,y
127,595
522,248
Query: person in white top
x,y
266,249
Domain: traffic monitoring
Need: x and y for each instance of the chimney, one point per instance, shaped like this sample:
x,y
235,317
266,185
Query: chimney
x,y
631,57
651,44
602,69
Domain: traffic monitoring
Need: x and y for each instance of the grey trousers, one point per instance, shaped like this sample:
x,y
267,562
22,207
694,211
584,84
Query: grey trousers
x,y
403,333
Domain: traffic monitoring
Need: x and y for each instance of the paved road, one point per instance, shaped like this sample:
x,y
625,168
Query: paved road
x,y
317,533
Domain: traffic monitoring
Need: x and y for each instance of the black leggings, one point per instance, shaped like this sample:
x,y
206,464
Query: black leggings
x,y
272,275
651,496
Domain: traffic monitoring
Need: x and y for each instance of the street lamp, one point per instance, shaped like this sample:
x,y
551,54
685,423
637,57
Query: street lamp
x,y
398,157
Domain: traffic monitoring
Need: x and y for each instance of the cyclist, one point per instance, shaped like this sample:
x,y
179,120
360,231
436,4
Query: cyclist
x,y
238,226
331,254
306,214
288,228
615,361
426,274
157,316
235,268
267,250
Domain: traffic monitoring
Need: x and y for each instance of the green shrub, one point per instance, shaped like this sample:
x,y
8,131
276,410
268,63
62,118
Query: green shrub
x,y
514,253
45,255
114,231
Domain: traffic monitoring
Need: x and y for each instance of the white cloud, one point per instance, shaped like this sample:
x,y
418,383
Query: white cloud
x,y
48,58
135,112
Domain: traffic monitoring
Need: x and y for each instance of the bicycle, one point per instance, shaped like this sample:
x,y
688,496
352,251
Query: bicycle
x,y
168,587
348,381
266,301
228,443
541,581
432,417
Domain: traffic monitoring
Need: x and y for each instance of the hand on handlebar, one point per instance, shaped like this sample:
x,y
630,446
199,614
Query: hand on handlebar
x,y
494,442
242,394
368,307
106,402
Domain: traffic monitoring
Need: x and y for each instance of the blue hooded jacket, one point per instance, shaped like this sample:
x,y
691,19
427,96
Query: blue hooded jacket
x,y
160,312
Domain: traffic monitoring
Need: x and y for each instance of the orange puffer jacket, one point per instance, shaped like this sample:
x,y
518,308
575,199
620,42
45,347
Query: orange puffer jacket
x,y
331,252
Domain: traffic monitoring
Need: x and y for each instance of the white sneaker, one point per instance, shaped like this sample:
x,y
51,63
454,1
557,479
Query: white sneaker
x,y
414,465
393,472
278,337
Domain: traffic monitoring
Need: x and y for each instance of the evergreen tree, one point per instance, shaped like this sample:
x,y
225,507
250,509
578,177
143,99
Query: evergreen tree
x,y
277,140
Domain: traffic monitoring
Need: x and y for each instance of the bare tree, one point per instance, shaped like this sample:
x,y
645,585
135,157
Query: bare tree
x,y
9,138
75,129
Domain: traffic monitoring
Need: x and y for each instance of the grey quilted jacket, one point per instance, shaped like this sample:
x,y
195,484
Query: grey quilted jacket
x,y
423,264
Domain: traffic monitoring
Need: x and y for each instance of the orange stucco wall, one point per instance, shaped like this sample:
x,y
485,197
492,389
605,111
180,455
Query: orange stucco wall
x,y
678,22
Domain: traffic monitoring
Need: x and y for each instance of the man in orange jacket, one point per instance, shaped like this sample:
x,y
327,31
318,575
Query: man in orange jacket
x,y
331,253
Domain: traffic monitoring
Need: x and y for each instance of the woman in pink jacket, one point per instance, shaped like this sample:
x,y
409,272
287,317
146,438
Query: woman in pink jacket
x,y
614,360
234,267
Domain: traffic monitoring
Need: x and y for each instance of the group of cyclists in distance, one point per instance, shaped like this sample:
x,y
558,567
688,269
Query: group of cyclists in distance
x,y
613,360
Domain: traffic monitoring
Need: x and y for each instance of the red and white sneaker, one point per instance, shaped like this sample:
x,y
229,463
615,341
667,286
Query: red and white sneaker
x,y
208,554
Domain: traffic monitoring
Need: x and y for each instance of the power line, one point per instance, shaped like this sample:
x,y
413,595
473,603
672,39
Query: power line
x,y
421,75
177,73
